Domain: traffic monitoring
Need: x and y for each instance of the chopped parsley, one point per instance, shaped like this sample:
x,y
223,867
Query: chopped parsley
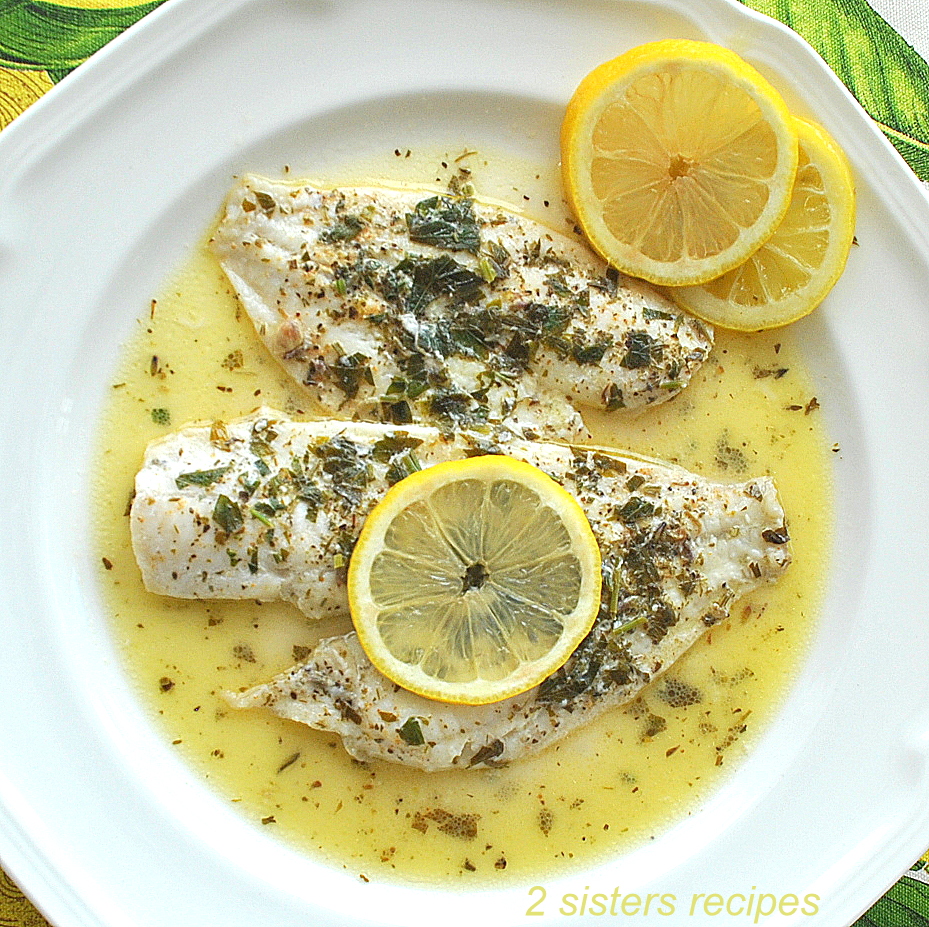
x,y
227,514
345,229
201,477
445,222
411,732
641,350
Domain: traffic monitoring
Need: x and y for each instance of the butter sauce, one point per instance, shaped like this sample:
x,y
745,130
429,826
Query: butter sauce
x,y
751,410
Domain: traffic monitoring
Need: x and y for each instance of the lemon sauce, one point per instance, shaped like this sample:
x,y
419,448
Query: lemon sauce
x,y
750,411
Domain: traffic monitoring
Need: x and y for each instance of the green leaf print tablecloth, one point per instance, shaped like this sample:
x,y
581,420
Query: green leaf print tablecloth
x,y
41,42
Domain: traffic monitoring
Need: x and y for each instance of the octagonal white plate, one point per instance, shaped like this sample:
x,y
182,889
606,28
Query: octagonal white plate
x,y
99,822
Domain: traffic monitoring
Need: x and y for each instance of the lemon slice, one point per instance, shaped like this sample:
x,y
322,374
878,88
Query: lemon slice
x,y
790,275
473,580
678,159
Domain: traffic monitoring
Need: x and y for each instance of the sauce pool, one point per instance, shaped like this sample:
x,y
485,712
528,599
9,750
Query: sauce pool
x,y
750,410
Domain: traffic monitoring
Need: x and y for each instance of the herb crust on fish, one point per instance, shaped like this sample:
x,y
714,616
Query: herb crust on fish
x,y
399,306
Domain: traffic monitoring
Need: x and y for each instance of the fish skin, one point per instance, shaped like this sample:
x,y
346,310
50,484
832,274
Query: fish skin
x,y
679,548
317,272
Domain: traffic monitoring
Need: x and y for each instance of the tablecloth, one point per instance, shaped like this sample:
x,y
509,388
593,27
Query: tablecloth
x,y
878,48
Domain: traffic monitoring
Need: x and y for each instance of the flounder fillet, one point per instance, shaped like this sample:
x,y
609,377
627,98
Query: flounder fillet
x,y
399,306
269,508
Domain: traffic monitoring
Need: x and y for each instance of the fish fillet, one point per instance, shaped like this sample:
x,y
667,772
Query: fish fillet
x,y
399,306
268,508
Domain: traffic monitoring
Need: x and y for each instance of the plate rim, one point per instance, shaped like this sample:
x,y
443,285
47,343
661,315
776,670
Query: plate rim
x,y
175,21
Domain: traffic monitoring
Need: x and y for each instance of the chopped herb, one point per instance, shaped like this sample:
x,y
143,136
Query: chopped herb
x,y
660,621
345,229
457,408
344,544
609,282
412,733
403,467
776,536
305,490
569,682
606,464
289,761
480,446
267,202
350,371
591,353
499,259
489,267
201,477
417,281
264,513
161,416
613,398
249,486
312,497
626,626
262,435
557,284
635,508
650,314
445,222
487,753
641,350
227,514
388,447
398,413
345,466
760,373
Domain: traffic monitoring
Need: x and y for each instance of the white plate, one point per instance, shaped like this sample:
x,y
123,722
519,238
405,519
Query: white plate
x,y
99,822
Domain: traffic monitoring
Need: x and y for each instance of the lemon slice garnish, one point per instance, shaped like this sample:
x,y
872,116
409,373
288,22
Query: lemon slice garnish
x,y
790,275
678,160
473,580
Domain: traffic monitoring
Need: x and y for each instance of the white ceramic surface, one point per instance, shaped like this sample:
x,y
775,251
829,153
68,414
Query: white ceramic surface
x,y
99,822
